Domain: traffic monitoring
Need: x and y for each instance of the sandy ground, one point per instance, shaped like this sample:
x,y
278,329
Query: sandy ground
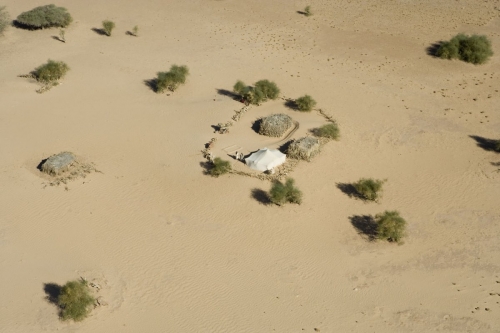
x,y
178,251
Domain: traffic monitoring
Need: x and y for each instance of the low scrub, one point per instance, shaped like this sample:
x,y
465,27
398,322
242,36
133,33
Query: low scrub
x,y
390,226
305,103
172,79
44,17
75,300
369,188
281,193
107,27
262,91
51,72
307,11
4,19
330,131
219,167
475,49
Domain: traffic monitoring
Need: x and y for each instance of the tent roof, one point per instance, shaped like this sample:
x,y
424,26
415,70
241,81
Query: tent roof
x,y
265,159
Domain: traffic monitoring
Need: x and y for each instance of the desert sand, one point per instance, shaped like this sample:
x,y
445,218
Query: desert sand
x,y
178,251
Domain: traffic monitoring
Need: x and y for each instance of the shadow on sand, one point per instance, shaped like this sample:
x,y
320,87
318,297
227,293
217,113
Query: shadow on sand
x,y
365,225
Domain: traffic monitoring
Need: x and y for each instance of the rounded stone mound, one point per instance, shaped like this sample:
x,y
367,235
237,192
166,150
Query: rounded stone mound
x,y
275,125
304,148
56,164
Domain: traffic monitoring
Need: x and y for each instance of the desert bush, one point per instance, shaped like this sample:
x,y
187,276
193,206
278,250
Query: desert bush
x,y
275,125
369,188
390,226
307,11
475,49
330,131
107,27
281,193
261,92
304,148
50,72
219,167
172,79
44,17
4,19
75,300
135,31
305,103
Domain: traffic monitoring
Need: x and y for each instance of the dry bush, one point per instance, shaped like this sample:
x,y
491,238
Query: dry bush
x,y
51,72
304,148
369,188
219,167
305,103
330,131
44,17
107,27
275,125
172,79
4,19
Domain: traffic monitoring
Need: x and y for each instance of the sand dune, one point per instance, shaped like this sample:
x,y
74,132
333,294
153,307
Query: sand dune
x,y
178,251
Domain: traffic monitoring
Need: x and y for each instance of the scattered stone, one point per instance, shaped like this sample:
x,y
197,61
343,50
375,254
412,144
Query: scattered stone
x,y
57,164
304,148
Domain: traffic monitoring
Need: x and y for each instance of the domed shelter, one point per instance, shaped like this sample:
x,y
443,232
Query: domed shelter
x,y
265,159
275,125
304,148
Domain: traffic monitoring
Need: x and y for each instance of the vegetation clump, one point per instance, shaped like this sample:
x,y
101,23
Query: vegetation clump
x,y
219,167
107,27
281,193
305,103
261,92
304,148
275,125
307,11
172,79
4,19
390,226
135,31
44,17
369,188
75,300
330,131
51,72
475,49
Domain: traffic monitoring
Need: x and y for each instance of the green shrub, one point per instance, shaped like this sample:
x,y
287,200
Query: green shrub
x,y
390,226
330,131
219,167
261,92
75,300
172,79
135,31
239,88
305,103
307,11
369,188
4,19
107,27
496,147
475,49
44,17
282,193
51,72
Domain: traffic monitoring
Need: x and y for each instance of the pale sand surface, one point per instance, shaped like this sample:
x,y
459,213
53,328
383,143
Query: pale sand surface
x,y
179,251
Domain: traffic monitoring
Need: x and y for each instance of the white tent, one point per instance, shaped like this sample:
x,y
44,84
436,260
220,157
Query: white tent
x,y
265,159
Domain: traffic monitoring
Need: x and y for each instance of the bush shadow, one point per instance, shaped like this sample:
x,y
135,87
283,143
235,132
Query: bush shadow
x,y
365,225
284,147
433,48
350,190
229,94
291,104
99,31
52,292
206,167
486,144
58,39
256,125
261,196
301,12
39,166
151,84
19,25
